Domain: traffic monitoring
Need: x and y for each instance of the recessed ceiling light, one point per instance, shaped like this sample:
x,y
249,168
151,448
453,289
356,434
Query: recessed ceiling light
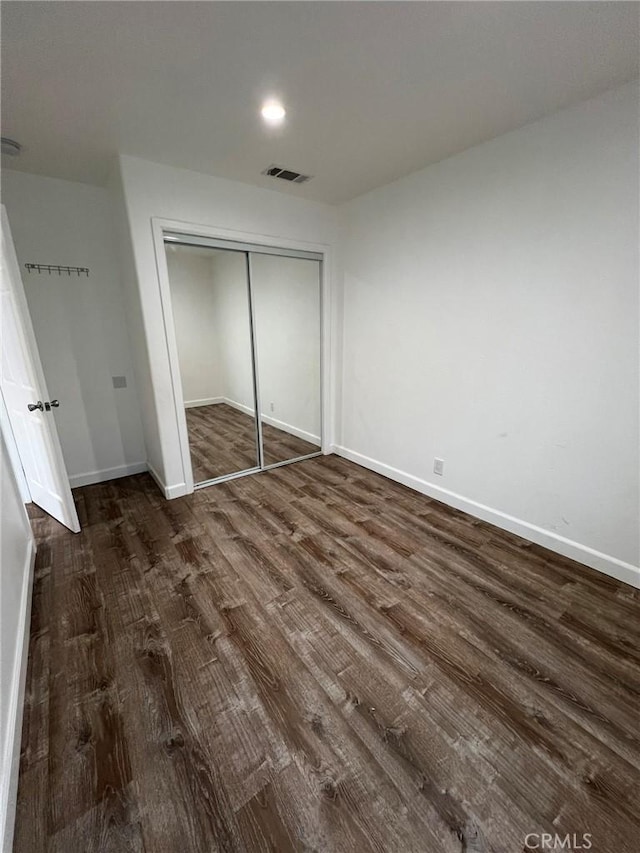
x,y
273,112
10,146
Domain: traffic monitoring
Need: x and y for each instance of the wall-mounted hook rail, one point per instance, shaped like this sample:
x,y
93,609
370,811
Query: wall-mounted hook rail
x,y
51,268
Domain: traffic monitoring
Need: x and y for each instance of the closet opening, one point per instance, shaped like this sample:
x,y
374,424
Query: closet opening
x,y
244,333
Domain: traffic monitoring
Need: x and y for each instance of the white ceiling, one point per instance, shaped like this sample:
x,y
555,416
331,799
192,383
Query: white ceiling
x,y
373,90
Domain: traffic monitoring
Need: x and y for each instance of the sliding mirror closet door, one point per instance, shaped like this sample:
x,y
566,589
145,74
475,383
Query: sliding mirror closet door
x,y
210,304
286,309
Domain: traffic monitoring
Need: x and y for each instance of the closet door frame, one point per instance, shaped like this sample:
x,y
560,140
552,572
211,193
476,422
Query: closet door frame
x,y
163,231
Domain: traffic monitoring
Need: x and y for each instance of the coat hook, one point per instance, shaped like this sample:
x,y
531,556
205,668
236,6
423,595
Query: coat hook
x,y
51,268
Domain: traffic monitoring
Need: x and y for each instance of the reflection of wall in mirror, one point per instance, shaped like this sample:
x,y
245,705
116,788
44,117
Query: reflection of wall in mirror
x,y
233,329
193,303
211,319
210,307
286,297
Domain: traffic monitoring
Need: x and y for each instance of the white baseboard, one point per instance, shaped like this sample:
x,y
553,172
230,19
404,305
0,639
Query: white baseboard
x,y
11,758
239,406
299,433
566,547
178,490
91,477
206,401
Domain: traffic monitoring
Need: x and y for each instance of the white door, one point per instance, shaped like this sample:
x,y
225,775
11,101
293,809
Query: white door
x,y
23,385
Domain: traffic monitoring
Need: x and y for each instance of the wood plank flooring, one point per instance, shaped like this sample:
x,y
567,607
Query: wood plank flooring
x,y
317,659
222,440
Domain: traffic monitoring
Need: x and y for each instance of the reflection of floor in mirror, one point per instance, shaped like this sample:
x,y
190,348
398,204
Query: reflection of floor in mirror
x,y
222,441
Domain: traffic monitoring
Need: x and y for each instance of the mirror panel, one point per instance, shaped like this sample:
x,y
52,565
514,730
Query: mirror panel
x,y
210,303
286,309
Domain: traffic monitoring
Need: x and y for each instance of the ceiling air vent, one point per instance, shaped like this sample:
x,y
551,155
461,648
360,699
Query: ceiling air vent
x,y
286,175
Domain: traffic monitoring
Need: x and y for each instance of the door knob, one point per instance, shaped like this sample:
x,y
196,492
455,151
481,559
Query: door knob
x,y
52,405
33,406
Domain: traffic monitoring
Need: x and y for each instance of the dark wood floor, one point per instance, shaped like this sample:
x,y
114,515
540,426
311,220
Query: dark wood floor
x,y
317,659
222,440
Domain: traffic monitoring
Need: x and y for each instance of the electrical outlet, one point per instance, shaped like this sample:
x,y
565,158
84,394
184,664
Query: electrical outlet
x,y
438,466
272,407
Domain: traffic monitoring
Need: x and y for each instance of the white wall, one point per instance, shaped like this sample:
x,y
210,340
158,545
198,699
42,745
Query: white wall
x,y
16,564
152,190
491,319
195,320
79,322
133,308
286,298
